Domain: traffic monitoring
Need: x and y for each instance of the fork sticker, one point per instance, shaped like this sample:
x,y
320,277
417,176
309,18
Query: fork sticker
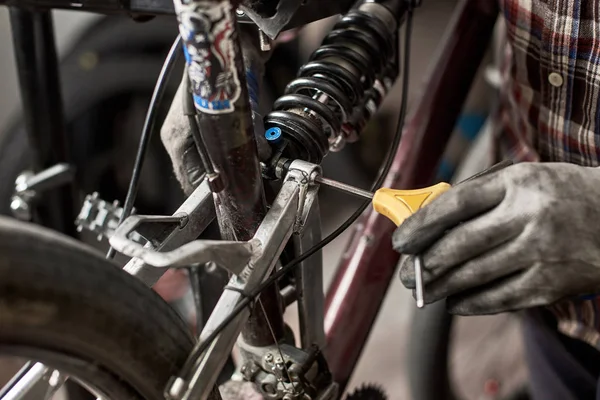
x,y
206,29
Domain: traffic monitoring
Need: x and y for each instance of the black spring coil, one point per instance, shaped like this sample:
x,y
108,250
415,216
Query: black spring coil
x,y
329,87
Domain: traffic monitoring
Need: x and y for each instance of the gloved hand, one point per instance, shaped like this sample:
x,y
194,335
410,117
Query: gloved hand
x,y
528,235
177,139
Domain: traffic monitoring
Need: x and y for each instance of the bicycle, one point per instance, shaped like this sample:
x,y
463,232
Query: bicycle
x,y
352,72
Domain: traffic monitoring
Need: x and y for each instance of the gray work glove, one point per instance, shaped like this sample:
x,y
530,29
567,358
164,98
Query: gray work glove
x,y
177,139
528,235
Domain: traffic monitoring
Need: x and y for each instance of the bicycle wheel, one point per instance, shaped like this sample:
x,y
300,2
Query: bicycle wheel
x,y
64,305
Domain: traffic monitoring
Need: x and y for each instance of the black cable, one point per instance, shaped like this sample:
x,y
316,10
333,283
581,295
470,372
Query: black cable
x,y
189,110
201,347
147,131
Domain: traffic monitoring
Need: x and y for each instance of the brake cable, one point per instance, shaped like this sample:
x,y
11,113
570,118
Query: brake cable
x,y
201,346
148,131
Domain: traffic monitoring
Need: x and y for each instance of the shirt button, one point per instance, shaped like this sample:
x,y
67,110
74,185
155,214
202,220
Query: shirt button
x,y
555,79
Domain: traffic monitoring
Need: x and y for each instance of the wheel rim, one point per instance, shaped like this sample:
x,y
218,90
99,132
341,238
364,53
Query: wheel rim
x,y
49,372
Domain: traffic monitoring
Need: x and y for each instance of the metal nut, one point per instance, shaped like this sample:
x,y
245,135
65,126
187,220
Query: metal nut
x,y
269,357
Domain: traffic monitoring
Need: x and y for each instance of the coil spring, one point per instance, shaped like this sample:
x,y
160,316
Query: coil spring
x,y
338,77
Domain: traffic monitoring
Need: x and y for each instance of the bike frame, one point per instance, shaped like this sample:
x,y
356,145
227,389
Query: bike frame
x,y
367,268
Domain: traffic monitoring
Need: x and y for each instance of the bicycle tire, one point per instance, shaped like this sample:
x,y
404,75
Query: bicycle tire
x,y
428,354
63,304
430,346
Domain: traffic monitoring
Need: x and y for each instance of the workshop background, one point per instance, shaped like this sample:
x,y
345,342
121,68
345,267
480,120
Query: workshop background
x,y
486,350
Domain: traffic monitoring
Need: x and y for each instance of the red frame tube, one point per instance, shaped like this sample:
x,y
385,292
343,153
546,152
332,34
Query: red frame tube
x,y
369,262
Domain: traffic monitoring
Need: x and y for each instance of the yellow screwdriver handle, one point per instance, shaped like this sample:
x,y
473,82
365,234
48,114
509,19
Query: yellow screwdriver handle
x,y
398,205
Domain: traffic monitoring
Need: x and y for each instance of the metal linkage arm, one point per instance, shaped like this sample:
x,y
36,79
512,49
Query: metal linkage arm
x,y
284,217
230,255
198,210
273,234
252,261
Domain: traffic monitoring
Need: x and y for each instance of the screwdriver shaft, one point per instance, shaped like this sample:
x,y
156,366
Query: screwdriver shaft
x,y
368,195
419,281
344,187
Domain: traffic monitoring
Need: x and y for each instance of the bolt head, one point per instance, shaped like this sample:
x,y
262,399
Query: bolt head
x,y
270,389
210,267
269,357
20,209
248,371
279,360
176,388
21,181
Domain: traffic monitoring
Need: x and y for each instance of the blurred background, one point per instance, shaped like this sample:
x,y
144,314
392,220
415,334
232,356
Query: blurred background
x,y
485,352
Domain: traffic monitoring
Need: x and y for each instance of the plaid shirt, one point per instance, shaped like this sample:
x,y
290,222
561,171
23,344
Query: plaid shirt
x,y
550,105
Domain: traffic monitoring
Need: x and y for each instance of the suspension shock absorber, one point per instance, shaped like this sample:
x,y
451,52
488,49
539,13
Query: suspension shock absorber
x,y
341,85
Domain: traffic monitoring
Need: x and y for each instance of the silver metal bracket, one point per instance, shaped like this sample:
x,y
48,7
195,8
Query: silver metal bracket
x,y
233,256
304,174
285,217
273,25
309,281
29,185
199,212
250,262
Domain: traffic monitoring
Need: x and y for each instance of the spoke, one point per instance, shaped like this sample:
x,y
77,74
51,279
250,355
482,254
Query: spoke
x,y
16,378
24,381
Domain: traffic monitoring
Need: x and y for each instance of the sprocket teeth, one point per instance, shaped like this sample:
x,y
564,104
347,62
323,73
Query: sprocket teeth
x,y
368,392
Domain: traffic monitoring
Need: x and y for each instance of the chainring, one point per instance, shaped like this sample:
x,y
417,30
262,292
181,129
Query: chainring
x,y
368,392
